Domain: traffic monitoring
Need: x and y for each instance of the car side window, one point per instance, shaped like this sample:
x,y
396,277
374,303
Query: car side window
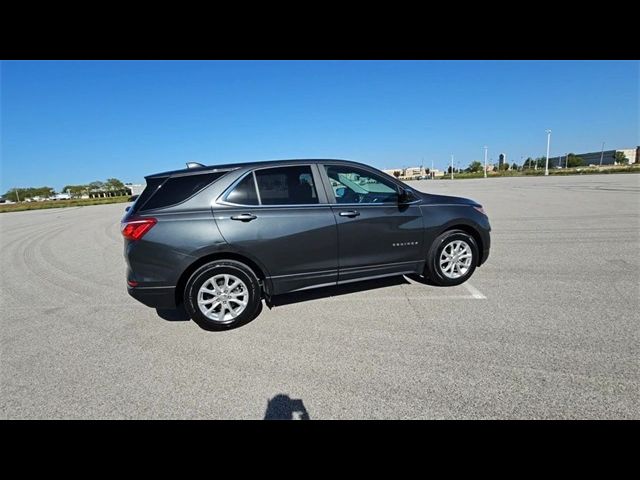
x,y
353,185
244,193
286,186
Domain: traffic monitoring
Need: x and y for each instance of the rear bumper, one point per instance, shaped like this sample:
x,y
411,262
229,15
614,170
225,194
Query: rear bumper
x,y
155,297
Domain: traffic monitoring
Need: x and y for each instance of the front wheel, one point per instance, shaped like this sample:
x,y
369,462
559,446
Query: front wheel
x,y
452,258
221,295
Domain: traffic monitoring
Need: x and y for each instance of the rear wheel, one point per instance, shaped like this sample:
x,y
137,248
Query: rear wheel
x,y
221,295
452,258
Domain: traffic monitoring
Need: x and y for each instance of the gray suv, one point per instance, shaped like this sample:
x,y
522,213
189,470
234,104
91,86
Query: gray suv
x,y
218,239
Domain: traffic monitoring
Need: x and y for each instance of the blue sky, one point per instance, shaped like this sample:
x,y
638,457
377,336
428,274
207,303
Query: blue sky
x,y
71,122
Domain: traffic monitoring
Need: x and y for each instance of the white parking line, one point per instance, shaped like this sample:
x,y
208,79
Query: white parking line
x,y
475,293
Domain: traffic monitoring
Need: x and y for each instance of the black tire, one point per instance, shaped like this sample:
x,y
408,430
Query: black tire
x,y
217,267
433,270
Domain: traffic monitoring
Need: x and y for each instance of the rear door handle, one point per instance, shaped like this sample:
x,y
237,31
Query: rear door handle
x,y
350,213
244,217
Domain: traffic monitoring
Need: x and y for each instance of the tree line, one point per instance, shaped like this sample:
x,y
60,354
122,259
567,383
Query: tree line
x,y
111,186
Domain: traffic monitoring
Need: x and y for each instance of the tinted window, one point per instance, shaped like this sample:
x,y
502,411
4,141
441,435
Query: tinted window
x,y
286,186
352,185
178,189
244,192
152,186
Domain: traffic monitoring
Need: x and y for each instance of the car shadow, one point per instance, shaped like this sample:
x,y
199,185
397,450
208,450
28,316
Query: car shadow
x,y
334,291
282,407
178,314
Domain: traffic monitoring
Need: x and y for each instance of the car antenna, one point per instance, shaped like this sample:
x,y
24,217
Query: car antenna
x,y
194,165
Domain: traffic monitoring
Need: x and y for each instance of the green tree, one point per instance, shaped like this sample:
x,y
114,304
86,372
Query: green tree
x,y
528,163
76,190
96,186
621,158
22,194
13,196
574,161
474,166
114,184
514,166
396,173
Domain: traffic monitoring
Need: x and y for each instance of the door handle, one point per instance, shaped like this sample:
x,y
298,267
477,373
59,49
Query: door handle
x,y
350,213
244,217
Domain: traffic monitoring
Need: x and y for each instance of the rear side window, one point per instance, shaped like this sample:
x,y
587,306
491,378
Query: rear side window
x,y
152,186
244,193
178,189
286,186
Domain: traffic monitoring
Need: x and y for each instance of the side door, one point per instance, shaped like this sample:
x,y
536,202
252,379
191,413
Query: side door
x,y
280,217
377,235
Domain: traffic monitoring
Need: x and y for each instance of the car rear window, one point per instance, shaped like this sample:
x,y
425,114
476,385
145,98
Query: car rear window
x,y
178,189
152,186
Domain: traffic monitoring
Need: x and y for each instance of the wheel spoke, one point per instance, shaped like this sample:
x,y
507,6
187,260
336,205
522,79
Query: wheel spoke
x,y
209,300
209,310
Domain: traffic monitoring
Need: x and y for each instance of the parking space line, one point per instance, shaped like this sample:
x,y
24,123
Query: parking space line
x,y
475,293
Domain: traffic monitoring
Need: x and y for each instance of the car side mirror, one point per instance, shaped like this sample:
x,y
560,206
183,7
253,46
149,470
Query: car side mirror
x,y
126,209
405,196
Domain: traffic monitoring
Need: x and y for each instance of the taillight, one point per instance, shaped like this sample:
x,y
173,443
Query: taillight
x,y
136,228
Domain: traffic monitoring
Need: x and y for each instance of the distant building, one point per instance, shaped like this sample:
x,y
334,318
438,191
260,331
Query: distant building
x,y
394,172
502,159
408,173
593,158
134,188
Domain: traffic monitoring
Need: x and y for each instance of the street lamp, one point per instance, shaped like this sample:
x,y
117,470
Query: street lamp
x,y
485,161
452,166
601,153
546,168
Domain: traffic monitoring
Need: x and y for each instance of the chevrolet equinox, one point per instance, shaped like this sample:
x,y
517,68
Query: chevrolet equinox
x,y
218,239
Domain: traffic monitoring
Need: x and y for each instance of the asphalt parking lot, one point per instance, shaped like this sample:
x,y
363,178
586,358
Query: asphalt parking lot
x,y
548,328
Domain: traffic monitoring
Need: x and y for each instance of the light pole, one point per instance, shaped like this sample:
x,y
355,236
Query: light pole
x,y
452,166
546,168
485,161
601,153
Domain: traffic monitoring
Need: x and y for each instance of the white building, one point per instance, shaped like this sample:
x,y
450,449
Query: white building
x,y
136,188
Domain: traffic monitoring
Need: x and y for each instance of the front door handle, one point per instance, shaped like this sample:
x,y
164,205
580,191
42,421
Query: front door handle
x,y
350,213
244,217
